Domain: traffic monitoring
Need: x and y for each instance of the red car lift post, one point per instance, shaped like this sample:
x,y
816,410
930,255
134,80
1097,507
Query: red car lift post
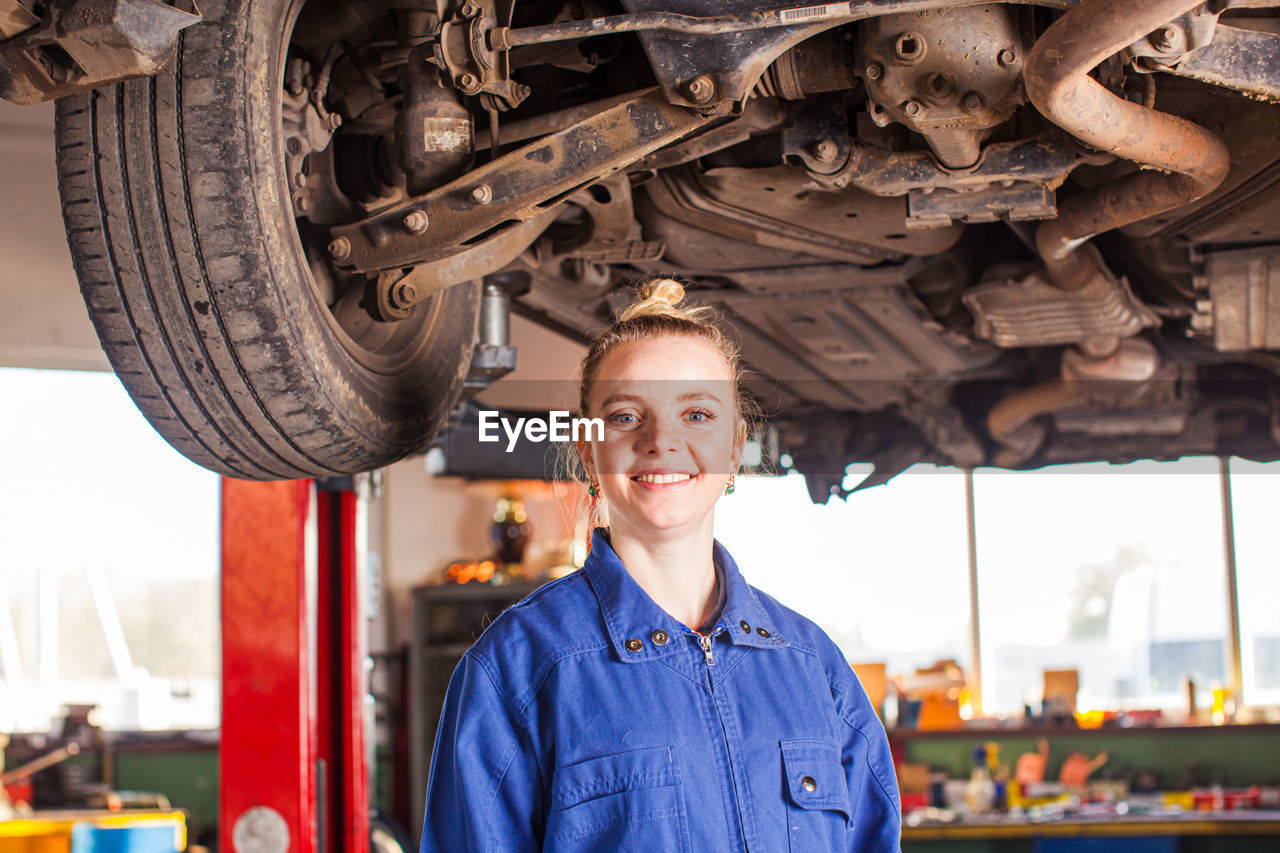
x,y
294,770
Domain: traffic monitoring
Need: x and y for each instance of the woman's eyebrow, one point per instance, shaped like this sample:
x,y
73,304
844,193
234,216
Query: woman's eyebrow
x,y
688,395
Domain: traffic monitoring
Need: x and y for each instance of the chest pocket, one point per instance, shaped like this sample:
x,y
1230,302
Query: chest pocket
x,y
818,812
624,801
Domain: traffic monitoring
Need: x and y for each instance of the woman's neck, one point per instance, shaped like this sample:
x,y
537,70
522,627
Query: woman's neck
x,y
676,568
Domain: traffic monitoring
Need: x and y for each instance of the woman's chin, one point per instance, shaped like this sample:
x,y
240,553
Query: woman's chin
x,y
653,512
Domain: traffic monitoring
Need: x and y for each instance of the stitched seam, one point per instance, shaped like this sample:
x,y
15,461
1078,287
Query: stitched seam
x,y
863,735
540,677
698,681
507,759
587,829
802,800
606,786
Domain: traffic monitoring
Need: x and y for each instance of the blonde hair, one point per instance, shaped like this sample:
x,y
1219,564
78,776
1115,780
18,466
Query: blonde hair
x,y
655,312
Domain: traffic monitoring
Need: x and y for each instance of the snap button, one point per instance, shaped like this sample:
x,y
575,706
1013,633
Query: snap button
x,y
808,784
659,637
634,645
745,627
762,632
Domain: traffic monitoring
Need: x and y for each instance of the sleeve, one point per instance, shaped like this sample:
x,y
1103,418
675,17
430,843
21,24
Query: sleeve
x,y
484,792
873,783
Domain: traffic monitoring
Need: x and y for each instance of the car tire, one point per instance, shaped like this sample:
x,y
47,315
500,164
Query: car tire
x,y
198,283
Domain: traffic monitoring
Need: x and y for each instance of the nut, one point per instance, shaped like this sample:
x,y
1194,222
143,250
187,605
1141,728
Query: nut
x,y
826,150
913,108
404,293
415,221
972,102
874,71
1165,38
701,89
482,194
339,248
467,81
470,10
1007,57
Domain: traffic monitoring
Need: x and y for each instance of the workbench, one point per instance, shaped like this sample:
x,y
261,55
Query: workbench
x,y
1242,831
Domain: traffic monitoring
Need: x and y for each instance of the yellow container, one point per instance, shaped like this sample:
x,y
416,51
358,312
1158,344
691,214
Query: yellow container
x,y
52,832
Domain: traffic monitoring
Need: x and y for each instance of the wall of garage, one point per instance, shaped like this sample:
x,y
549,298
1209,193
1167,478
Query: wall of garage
x,y
424,523
43,322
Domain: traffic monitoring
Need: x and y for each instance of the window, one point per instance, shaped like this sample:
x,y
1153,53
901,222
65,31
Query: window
x,y
1118,571
1255,495
1115,570
885,574
108,561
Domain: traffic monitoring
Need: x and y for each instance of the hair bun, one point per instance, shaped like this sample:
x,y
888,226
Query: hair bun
x,y
659,297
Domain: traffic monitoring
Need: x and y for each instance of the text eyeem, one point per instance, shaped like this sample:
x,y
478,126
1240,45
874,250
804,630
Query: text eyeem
x,y
559,426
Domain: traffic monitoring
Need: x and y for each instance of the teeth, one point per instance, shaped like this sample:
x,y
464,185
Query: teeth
x,y
663,478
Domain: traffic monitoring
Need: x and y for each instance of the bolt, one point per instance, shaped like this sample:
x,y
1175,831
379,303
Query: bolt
x,y
415,221
972,103
467,81
294,145
339,248
1007,57
470,10
482,194
826,150
404,293
299,180
913,108
334,121
875,71
1165,38
701,89
302,203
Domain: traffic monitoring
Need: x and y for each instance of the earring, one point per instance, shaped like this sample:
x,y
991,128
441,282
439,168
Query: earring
x,y
593,491
728,487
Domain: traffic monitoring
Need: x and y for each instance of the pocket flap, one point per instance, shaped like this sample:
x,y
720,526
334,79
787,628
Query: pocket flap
x,y
645,767
815,776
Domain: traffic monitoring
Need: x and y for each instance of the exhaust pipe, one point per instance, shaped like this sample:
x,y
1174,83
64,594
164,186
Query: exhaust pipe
x,y
1192,160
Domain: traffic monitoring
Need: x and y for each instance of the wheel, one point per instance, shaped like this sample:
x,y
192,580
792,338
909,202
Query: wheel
x,y
210,288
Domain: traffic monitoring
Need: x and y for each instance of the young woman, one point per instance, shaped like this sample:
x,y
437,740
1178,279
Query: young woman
x,y
655,701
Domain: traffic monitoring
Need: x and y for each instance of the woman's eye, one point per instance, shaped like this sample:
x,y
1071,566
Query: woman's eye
x,y
617,418
701,415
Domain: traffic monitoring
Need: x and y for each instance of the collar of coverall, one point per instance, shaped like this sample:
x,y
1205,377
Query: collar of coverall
x,y
630,614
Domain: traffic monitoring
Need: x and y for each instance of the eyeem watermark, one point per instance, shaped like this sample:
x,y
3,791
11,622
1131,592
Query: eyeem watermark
x,y
559,426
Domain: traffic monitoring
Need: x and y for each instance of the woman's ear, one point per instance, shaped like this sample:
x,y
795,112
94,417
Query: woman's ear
x,y
588,459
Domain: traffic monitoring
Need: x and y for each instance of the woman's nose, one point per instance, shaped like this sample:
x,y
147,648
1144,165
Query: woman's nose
x,y
659,435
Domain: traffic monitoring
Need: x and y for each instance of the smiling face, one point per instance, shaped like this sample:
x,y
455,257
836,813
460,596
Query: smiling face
x,y
672,432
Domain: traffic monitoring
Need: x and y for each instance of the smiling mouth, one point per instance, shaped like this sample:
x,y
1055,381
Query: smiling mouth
x,y
662,479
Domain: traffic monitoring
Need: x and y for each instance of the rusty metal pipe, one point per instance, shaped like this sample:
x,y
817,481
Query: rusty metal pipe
x,y
1193,160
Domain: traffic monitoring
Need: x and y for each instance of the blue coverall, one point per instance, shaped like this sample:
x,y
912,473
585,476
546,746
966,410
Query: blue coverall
x,y
587,718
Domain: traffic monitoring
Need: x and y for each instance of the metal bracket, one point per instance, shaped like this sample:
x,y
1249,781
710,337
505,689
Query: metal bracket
x,y
514,188
1247,61
83,44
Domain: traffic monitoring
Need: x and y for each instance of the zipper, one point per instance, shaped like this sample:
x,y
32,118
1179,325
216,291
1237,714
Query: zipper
x,y
704,640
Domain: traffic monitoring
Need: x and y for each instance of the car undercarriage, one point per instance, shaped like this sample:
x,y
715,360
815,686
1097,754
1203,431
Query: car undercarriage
x,y
1011,234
